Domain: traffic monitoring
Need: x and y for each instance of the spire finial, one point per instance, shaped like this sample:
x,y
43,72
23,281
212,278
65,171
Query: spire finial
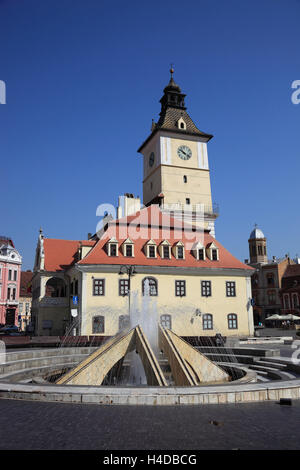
x,y
171,70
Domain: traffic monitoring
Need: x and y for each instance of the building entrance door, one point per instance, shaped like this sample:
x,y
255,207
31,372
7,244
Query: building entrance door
x,y
10,316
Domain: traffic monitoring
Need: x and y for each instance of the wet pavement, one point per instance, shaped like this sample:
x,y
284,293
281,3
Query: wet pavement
x,y
37,425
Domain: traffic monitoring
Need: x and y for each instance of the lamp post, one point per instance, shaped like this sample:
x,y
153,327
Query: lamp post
x,y
130,271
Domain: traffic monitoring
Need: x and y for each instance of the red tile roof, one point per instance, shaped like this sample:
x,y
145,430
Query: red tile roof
x,y
25,284
137,229
61,254
292,270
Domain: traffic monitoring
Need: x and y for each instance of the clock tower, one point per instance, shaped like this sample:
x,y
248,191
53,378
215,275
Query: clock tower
x,y
176,171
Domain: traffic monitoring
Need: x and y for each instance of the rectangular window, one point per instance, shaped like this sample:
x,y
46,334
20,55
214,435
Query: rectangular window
x,y
180,288
151,251
272,298
15,275
295,301
9,274
124,287
286,301
166,252
180,252
215,255
14,294
113,249
26,307
8,293
206,288
232,321
230,289
188,201
98,324
99,287
128,250
20,307
201,254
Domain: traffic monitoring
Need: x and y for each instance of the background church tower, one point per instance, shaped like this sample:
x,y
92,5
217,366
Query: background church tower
x,y
257,247
176,170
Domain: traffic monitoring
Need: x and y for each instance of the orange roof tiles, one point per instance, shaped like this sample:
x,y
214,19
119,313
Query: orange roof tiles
x,y
61,254
137,229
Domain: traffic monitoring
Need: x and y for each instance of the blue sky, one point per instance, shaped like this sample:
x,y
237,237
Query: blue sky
x,y
84,79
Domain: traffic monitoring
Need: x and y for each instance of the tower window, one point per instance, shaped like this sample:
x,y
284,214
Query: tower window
x,y
214,255
185,179
201,254
181,125
187,201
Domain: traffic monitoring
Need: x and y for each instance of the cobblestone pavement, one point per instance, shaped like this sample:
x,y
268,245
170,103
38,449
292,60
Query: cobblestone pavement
x,y
36,425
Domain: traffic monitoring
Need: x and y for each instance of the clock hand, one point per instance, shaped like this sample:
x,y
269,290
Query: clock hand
x,y
183,152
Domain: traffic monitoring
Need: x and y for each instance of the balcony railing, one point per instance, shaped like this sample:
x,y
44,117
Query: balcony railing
x,y
54,302
206,210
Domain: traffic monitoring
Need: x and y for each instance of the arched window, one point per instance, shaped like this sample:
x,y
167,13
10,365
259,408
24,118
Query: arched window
x,y
55,287
149,286
98,324
166,321
207,321
232,321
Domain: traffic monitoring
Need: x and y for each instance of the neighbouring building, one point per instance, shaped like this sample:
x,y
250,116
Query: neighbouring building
x,y
24,316
10,273
160,257
290,291
267,279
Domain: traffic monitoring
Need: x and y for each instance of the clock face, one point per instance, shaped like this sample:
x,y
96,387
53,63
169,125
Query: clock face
x,y
151,159
184,152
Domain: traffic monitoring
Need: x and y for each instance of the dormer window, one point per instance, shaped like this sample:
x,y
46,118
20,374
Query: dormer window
x,y
199,251
181,124
128,248
150,249
165,250
213,252
112,247
178,250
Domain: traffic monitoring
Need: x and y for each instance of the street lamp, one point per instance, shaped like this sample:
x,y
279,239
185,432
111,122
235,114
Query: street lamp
x,y
130,271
